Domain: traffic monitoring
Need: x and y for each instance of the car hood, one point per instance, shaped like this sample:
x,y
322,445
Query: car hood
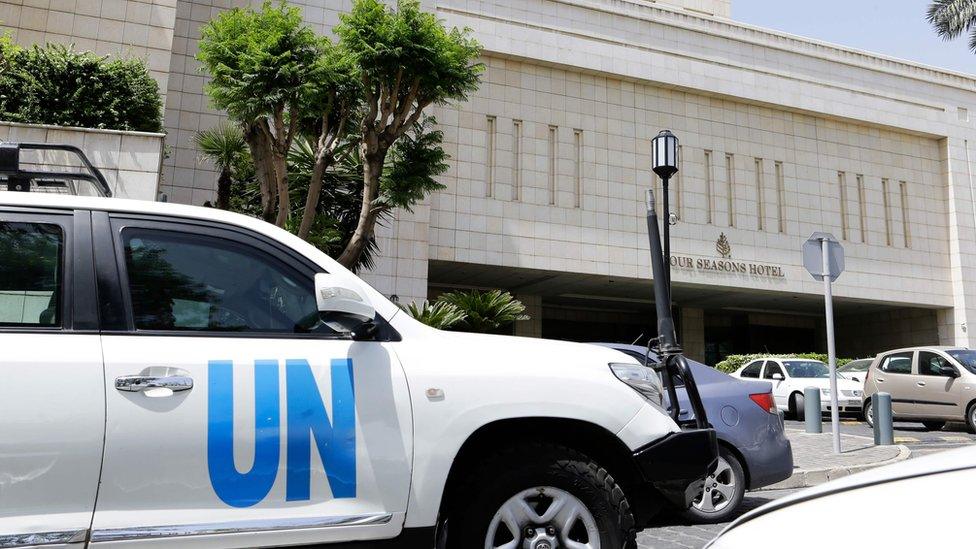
x,y
546,353
824,383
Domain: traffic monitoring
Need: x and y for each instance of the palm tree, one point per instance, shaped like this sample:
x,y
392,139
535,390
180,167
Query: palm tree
x,y
486,311
953,17
439,314
223,145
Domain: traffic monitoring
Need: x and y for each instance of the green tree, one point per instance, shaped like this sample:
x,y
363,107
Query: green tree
x,y
439,314
224,146
486,312
405,60
953,17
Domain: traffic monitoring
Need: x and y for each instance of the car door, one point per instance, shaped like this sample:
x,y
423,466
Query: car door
x,y
895,378
52,403
781,393
265,426
936,395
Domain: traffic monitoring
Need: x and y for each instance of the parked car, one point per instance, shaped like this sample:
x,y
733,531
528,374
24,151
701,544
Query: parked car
x,y
930,385
938,481
188,376
856,370
790,376
753,450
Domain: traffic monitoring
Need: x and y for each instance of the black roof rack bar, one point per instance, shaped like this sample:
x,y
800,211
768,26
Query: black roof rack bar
x,y
10,164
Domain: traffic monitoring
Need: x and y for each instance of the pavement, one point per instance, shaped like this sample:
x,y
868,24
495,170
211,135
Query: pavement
x,y
814,463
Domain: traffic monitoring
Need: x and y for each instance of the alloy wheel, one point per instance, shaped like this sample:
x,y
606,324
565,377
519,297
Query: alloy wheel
x,y
718,490
543,518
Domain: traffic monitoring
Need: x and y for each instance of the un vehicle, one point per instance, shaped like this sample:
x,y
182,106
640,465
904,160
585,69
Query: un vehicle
x,y
179,376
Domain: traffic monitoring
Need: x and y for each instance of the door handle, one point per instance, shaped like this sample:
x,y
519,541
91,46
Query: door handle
x,y
920,384
137,383
880,380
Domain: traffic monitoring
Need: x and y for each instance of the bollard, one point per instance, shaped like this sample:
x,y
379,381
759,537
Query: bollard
x,y
884,434
812,411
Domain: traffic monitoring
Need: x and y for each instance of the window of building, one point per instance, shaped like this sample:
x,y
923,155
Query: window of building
x,y
780,197
905,221
760,206
862,208
490,158
842,186
31,267
887,211
553,151
897,363
516,160
578,169
752,370
677,186
730,180
187,282
708,187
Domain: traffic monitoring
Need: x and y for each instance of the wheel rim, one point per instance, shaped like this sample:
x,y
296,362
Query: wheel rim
x,y
543,518
718,490
869,412
972,416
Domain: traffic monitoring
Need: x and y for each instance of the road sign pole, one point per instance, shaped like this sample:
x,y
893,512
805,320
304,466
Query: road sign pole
x,y
831,352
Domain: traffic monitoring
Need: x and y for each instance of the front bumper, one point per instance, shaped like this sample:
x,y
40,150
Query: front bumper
x,y
677,464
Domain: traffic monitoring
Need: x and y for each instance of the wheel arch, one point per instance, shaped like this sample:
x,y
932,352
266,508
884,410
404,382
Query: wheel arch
x,y
741,458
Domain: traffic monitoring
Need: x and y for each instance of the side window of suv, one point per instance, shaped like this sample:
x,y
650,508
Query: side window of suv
x,y
753,369
897,363
189,282
31,259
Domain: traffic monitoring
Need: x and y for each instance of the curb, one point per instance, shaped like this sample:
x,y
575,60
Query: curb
x,y
805,478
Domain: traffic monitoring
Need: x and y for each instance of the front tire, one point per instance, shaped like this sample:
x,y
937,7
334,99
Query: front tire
x,y
869,412
934,425
537,491
799,408
971,417
722,493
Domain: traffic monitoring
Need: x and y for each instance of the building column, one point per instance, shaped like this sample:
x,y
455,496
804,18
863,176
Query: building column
x,y
954,325
693,333
533,308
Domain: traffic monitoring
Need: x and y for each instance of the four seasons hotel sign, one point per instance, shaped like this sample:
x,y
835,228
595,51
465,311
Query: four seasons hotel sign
x,y
725,264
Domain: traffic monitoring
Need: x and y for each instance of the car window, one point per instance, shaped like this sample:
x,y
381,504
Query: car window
x,y
31,258
185,282
772,368
897,363
930,364
806,368
753,369
855,366
965,357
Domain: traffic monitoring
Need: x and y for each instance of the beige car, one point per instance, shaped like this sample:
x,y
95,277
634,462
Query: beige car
x,y
931,385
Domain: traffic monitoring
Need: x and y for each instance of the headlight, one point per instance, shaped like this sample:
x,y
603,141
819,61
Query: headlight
x,y
641,379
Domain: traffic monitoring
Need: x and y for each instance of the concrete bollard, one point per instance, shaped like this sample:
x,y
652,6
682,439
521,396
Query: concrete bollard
x,y
812,410
884,433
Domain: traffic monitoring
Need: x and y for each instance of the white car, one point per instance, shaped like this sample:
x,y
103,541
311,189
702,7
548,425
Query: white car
x,y
791,376
187,377
937,481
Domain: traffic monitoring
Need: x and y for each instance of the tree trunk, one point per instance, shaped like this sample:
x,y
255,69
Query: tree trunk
x,y
314,190
261,153
372,170
284,200
223,189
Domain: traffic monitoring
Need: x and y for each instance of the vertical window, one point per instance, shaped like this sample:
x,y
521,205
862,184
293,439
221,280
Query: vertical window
x,y
780,197
730,180
552,163
490,158
578,171
842,186
676,185
906,222
862,208
708,186
887,211
517,160
760,207
31,266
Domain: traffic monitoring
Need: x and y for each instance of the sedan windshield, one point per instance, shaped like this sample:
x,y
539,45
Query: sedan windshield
x,y
806,368
965,357
856,366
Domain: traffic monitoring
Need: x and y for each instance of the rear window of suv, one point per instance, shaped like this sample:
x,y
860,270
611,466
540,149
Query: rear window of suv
x,y
31,256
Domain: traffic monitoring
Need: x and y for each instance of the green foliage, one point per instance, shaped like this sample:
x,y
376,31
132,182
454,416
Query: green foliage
x,y
734,362
259,61
486,312
223,145
411,166
57,85
951,18
439,314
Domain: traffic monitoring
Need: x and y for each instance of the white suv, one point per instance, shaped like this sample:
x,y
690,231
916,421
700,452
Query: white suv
x,y
191,377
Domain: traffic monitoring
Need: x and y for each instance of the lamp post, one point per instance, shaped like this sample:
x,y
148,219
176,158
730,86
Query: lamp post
x,y
664,162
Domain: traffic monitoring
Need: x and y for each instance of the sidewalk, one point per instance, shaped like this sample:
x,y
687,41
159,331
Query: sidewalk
x,y
814,461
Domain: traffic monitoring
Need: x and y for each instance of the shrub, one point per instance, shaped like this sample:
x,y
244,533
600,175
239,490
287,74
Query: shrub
x,y
439,314
57,85
734,362
485,312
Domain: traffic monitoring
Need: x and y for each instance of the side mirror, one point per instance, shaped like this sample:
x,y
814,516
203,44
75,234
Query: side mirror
x,y
948,371
342,307
778,376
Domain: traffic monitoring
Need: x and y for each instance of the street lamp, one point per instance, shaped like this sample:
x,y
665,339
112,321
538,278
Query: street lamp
x,y
664,162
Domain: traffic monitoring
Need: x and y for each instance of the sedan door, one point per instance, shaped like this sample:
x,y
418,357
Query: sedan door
x,y
52,402
235,415
895,377
781,388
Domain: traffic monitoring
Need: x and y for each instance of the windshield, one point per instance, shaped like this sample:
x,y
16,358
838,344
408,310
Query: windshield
x,y
806,368
965,357
856,366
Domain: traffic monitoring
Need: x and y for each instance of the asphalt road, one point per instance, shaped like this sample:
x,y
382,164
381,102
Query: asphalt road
x,y
670,532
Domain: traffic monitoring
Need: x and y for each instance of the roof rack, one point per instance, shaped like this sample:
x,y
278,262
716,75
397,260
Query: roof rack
x,y
20,180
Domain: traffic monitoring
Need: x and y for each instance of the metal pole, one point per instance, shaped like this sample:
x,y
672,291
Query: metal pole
x,y
831,352
667,235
